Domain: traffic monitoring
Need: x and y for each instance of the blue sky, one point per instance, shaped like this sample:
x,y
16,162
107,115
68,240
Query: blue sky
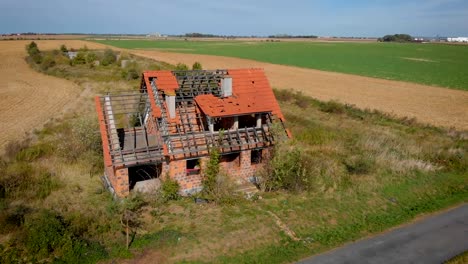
x,y
238,17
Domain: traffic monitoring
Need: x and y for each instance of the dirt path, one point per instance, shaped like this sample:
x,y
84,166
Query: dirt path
x,y
27,98
433,105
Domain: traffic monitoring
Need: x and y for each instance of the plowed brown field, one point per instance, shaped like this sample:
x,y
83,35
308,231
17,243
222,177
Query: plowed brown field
x,y
28,99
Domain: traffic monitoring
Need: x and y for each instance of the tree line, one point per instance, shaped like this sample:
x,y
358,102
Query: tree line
x,y
396,38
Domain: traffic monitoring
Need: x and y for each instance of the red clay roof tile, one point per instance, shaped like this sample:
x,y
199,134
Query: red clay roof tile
x,y
252,93
231,106
165,80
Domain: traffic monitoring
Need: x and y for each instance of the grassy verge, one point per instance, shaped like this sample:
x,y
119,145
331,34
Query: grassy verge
x,y
460,259
430,64
361,173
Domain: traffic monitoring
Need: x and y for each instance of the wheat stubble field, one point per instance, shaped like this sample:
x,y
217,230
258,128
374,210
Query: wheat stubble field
x,y
28,99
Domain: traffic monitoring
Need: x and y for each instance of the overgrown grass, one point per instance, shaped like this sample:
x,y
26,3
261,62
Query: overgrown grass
x,y
431,64
460,259
58,64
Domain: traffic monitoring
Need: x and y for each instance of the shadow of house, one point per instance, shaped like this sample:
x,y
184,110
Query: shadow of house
x,y
178,117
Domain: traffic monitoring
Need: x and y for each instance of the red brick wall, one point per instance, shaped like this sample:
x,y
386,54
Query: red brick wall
x,y
177,170
240,169
119,180
229,166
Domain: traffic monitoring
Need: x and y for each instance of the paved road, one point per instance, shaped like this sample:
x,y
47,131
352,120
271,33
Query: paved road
x,y
431,240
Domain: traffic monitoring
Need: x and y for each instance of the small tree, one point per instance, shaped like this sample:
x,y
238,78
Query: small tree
x,y
197,66
37,58
109,57
91,57
181,67
34,52
47,63
130,74
80,58
32,48
63,48
217,186
130,216
170,189
210,173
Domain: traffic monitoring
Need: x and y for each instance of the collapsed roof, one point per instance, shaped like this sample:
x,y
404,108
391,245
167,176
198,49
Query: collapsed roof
x,y
182,114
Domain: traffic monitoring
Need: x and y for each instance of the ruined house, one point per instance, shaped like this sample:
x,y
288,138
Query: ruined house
x,y
170,126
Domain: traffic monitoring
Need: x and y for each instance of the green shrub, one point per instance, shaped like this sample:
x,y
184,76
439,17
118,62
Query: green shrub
x,y
47,63
91,57
63,48
16,179
134,203
170,189
32,49
451,158
45,184
80,136
286,170
80,58
14,147
34,52
84,49
359,164
108,58
34,152
284,95
332,107
301,100
210,173
217,186
181,67
164,237
49,235
37,58
21,179
197,66
11,254
13,218
130,74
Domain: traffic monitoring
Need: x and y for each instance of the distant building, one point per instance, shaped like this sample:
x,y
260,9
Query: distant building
x,y
458,39
154,35
71,54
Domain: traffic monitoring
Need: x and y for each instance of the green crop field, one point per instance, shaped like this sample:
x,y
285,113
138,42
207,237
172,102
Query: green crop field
x,y
430,64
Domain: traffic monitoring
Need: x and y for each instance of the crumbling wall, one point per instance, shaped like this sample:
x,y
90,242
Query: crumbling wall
x,y
118,178
177,170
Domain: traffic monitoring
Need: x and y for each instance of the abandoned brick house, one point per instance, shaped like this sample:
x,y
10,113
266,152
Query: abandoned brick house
x,y
169,127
